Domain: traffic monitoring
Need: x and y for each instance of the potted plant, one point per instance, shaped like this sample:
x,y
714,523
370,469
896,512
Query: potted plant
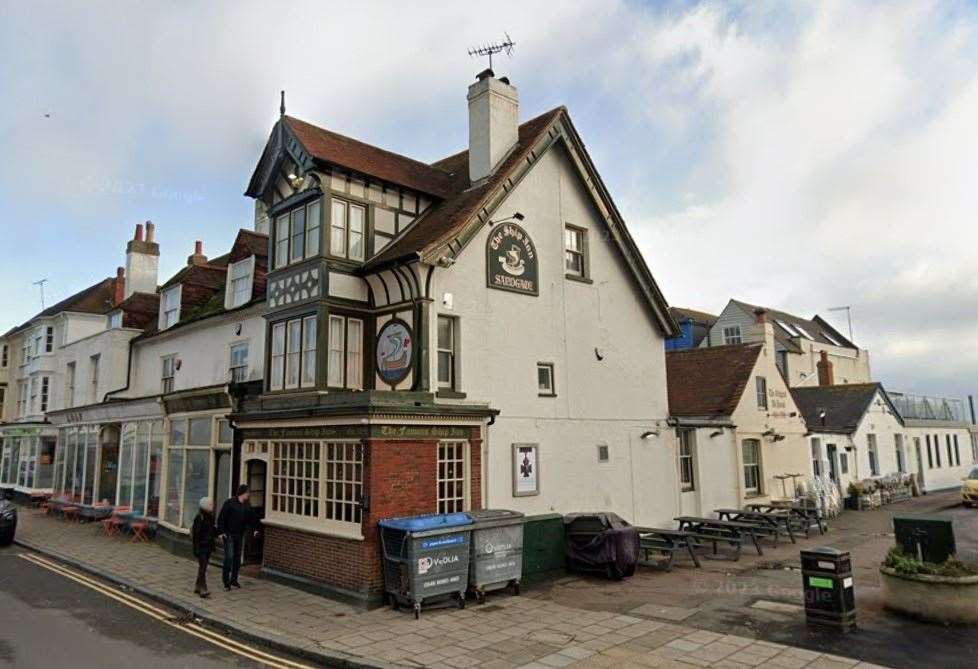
x,y
942,593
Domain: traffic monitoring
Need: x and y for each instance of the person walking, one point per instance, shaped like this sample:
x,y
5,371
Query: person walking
x,y
204,537
234,519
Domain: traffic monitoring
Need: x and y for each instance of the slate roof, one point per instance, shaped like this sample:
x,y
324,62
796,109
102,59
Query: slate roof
x,y
96,299
815,326
699,317
844,405
708,382
140,310
330,147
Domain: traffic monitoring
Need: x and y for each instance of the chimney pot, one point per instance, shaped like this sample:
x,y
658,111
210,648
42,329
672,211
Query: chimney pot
x,y
120,272
198,257
826,375
150,231
760,315
198,248
139,233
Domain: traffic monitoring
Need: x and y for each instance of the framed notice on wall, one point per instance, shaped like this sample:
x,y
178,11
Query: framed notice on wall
x,y
526,470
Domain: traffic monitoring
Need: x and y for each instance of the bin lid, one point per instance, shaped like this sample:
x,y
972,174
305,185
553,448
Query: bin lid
x,y
432,521
825,552
494,514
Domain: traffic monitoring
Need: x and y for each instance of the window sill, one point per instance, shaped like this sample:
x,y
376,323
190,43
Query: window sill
x,y
353,535
754,495
450,394
578,278
546,394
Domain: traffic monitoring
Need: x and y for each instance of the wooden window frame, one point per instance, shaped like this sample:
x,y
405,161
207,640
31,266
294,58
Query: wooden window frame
x,y
760,387
582,252
344,351
451,352
755,466
732,335
452,451
686,456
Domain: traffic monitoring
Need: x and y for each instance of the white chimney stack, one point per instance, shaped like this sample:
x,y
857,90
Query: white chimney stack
x,y
493,123
142,261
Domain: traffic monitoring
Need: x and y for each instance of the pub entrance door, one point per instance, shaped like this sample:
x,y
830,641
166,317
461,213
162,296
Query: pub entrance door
x,y
256,476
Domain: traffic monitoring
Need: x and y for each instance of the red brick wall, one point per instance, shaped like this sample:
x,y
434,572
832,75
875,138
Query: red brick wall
x,y
400,479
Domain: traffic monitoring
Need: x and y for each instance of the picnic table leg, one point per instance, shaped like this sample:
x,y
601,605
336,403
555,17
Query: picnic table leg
x,y
757,545
692,554
787,525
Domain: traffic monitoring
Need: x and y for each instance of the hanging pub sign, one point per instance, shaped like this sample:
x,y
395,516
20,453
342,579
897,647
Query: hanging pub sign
x,y
511,260
395,351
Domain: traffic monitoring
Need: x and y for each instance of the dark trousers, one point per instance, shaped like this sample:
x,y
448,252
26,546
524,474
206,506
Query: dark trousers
x,y
202,561
232,558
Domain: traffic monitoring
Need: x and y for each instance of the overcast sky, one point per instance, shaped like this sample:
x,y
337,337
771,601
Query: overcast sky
x,y
797,156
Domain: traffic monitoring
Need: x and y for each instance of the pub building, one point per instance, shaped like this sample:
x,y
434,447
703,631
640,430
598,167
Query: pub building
x,y
480,331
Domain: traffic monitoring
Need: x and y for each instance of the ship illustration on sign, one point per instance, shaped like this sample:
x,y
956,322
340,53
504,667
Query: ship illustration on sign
x,y
512,263
394,351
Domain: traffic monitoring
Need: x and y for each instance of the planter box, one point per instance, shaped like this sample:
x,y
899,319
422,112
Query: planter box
x,y
937,599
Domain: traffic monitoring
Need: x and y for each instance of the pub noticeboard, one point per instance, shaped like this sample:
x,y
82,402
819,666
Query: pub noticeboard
x,y
511,260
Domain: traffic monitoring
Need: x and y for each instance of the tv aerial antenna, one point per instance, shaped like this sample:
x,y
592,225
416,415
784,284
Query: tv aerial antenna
x,y
492,48
40,284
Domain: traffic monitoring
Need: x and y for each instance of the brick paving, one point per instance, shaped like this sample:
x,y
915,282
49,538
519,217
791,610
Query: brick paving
x,y
528,631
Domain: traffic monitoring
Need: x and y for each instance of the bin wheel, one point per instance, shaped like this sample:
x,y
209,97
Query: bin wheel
x,y
516,588
395,605
461,600
480,596
417,611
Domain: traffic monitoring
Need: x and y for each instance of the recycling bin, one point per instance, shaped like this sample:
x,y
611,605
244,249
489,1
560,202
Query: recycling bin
x,y
827,582
496,560
426,558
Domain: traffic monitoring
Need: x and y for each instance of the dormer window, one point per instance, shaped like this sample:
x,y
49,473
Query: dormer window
x,y
297,234
170,306
240,280
115,320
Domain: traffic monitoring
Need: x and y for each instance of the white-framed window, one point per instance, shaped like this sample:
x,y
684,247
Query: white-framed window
x,y
816,456
447,352
731,335
347,227
170,306
687,461
293,354
190,452
48,338
316,484
546,386
168,373
344,365
761,387
898,449
45,391
752,466
33,394
238,364
874,456
575,251
240,281
452,477
297,234
115,320
94,362
70,384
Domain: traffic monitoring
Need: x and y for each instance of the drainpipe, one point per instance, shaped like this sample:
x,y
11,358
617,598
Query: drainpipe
x,y
971,404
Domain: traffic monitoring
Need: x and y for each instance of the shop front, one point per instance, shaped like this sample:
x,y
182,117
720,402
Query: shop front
x,y
27,461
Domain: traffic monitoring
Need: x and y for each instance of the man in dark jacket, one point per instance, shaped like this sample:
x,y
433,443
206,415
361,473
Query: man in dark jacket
x,y
234,519
204,536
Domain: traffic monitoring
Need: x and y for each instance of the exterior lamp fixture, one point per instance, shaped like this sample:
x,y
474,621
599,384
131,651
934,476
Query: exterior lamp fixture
x,y
715,434
650,433
517,216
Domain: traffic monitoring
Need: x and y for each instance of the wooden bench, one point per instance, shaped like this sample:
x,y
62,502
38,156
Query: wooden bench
x,y
769,522
668,543
730,532
806,516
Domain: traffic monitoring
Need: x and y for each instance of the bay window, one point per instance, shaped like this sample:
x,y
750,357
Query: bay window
x,y
297,234
293,354
347,228
344,367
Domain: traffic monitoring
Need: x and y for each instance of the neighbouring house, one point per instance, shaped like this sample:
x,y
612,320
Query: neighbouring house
x,y
944,442
855,432
737,424
694,326
480,331
158,438
800,343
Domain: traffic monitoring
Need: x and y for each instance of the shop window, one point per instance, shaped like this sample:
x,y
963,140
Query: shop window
x,y
188,467
344,481
295,478
752,466
546,386
452,464
687,442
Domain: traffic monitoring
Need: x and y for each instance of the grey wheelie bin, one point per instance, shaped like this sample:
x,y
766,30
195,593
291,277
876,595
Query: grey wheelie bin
x,y
497,551
426,558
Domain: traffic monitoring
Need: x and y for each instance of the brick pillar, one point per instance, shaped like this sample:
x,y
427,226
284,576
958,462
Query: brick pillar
x,y
826,377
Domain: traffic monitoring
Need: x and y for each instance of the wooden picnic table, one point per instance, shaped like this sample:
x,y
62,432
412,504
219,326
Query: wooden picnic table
x,y
805,514
669,542
773,519
730,531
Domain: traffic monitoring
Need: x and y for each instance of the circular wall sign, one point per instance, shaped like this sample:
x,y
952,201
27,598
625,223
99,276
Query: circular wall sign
x,y
395,351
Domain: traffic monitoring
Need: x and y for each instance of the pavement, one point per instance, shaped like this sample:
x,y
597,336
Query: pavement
x,y
727,614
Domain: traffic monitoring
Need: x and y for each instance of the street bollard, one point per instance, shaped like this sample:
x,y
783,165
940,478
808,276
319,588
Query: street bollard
x,y
827,582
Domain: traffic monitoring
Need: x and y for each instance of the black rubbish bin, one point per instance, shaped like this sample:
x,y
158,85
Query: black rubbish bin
x,y
601,542
827,582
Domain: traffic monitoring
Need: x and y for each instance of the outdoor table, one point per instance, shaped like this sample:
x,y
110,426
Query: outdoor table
x,y
70,513
774,519
730,531
669,542
806,514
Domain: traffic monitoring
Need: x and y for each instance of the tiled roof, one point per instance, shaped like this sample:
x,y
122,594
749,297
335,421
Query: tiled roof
x,y
96,299
709,381
816,327
446,218
140,310
330,147
699,317
843,405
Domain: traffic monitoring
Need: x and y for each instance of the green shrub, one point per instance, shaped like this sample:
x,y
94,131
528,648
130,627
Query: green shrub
x,y
909,565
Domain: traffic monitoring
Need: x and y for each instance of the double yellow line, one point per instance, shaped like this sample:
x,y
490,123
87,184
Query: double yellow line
x,y
164,617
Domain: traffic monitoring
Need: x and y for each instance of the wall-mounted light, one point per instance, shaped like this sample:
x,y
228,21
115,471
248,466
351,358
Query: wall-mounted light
x,y
446,261
717,433
650,433
517,216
